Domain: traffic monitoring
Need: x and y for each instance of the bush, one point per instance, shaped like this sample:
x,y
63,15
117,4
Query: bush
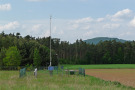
x,y
29,67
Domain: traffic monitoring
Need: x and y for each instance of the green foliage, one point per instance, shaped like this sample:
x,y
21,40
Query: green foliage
x,y
37,58
79,52
120,55
29,67
13,57
45,55
107,58
2,55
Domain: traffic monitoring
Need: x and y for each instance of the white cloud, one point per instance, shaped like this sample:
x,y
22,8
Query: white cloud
x,y
80,24
74,26
132,22
111,26
84,20
88,27
100,19
47,33
84,28
4,7
89,33
126,34
36,27
122,15
9,26
61,32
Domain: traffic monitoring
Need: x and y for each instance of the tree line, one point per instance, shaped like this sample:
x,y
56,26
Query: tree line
x,y
16,50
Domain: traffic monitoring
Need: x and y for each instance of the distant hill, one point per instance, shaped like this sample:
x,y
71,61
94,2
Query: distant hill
x,y
98,39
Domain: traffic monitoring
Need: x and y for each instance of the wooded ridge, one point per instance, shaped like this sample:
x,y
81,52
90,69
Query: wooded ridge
x,y
102,39
16,50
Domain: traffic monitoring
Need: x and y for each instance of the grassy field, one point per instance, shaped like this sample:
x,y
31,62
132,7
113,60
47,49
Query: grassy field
x,y
103,66
9,80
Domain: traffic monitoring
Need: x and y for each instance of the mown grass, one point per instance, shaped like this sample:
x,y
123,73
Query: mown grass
x,y
103,66
9,80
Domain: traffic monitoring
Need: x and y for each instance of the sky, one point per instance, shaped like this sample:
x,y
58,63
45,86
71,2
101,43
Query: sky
x,y
71,19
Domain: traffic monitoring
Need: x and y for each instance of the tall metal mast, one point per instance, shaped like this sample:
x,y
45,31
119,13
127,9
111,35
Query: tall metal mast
x,y
50,43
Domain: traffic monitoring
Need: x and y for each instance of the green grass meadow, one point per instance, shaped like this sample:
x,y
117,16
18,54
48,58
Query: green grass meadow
x,y
9,80
103,66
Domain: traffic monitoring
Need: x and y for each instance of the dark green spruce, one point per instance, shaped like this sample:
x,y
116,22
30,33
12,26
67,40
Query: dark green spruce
x,y
35,51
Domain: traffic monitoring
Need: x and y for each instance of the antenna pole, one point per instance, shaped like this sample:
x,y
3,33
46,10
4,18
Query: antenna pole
x,y
50,43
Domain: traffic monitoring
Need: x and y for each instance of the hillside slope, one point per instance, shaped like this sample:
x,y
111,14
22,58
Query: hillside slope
x,y
98,39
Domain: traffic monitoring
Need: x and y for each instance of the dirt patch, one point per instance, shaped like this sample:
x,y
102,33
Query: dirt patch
x,y
124,76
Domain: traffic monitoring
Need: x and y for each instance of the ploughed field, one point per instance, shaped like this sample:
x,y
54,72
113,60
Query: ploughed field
x,y
124,76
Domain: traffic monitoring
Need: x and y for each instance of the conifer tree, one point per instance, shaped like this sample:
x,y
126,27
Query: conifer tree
x,y
37,58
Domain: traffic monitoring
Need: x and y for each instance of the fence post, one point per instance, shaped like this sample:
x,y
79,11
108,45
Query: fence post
x,y
35,73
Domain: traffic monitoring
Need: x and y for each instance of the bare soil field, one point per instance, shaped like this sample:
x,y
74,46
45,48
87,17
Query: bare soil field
x,y
124,76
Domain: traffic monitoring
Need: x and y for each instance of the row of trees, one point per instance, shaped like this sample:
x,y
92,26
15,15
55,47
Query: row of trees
x,y
16,50
107,52
30,50
12,57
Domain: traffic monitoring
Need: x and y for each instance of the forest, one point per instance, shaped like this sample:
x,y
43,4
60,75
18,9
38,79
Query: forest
x,y
16,50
